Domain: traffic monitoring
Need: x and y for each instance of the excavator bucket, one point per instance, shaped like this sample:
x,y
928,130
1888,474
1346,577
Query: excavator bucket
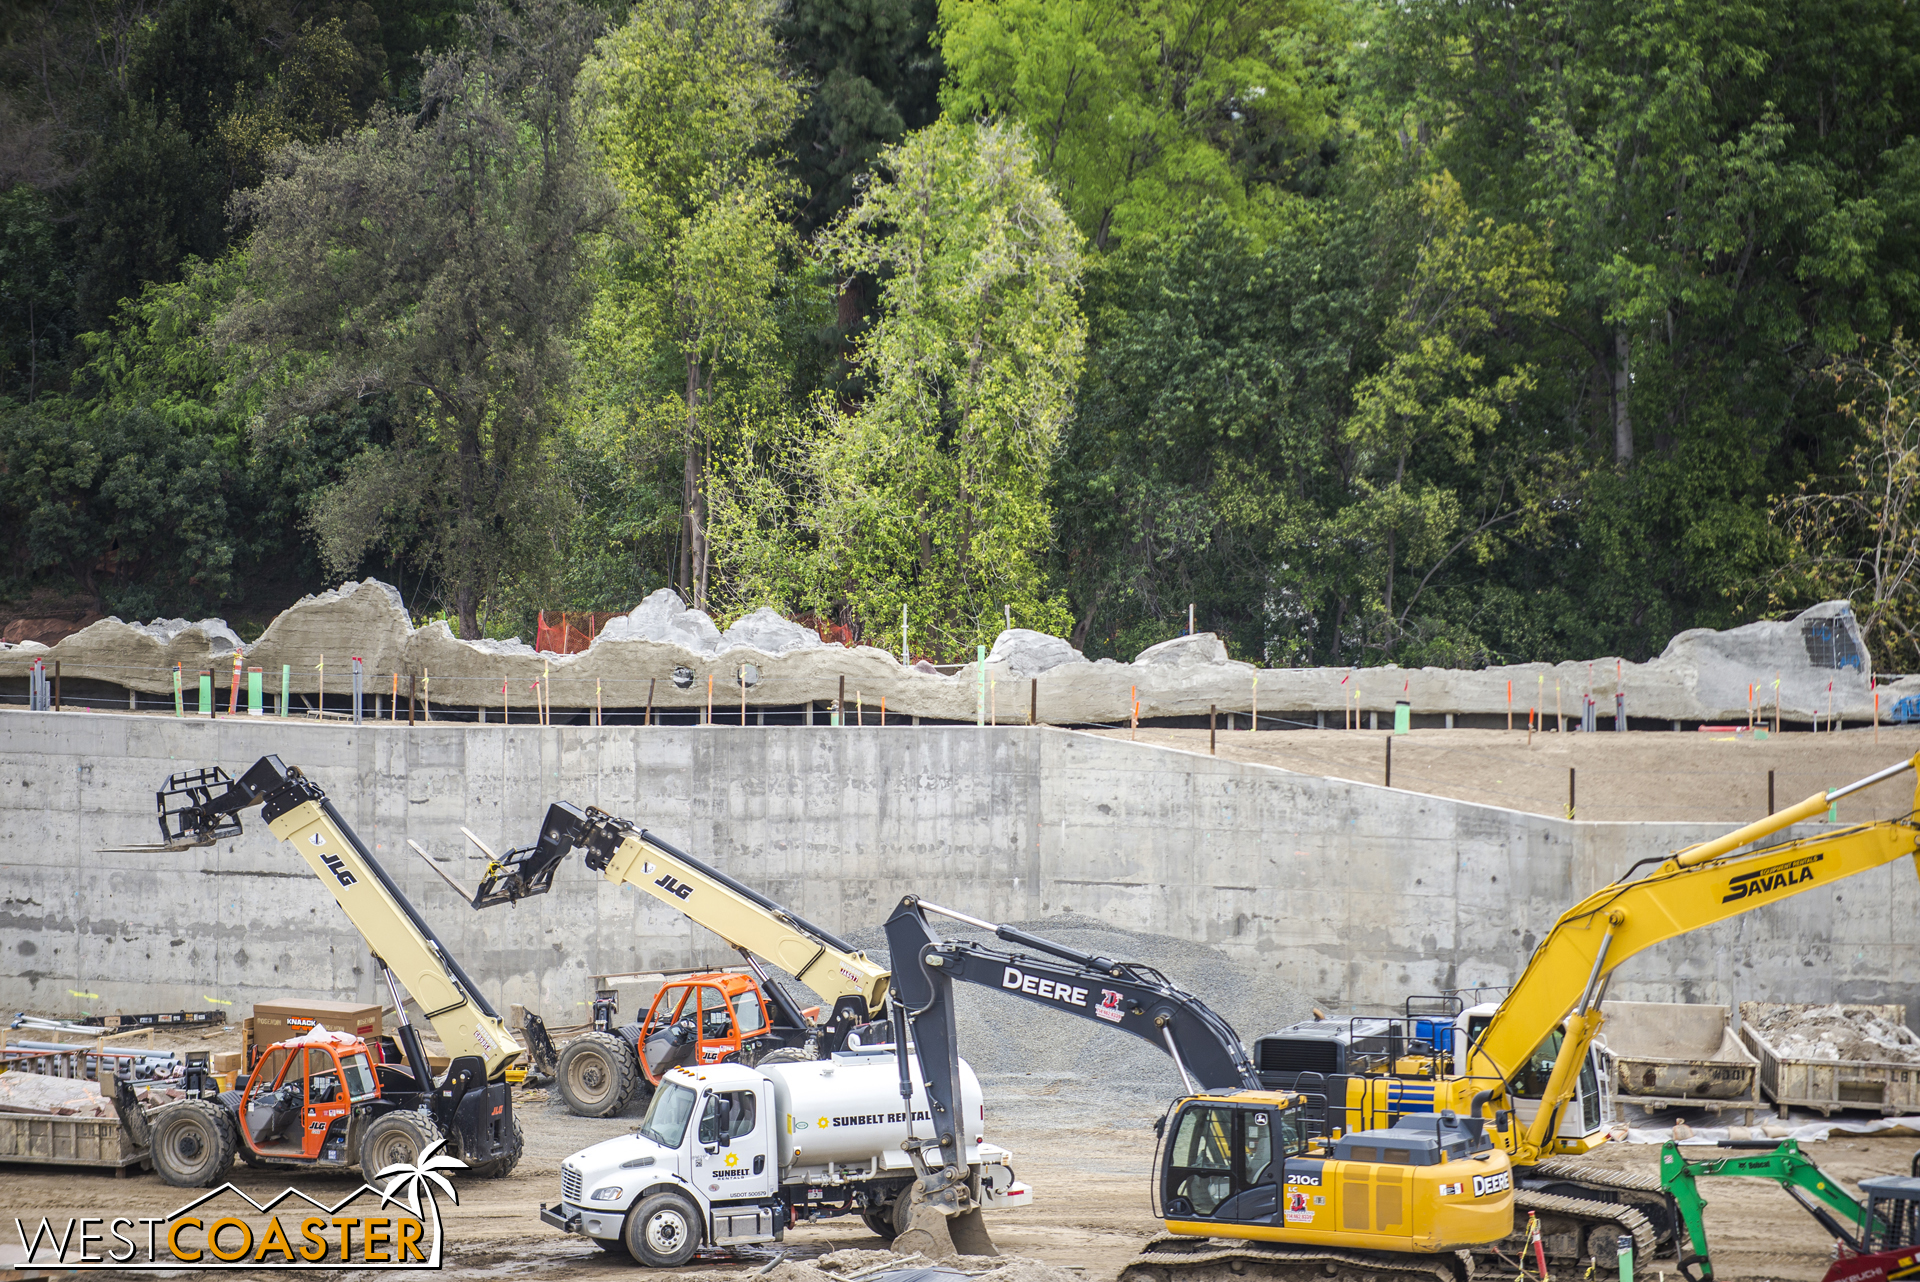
x,y
943,1219
940,1236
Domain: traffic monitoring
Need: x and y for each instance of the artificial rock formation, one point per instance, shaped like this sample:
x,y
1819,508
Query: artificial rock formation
x,y
671,656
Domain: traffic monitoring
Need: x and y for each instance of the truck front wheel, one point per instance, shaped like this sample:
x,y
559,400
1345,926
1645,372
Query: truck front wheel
x,y
193,1143
663,1230
597,1074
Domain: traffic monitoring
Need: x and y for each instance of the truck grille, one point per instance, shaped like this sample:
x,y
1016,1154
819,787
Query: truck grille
x,y
570,1190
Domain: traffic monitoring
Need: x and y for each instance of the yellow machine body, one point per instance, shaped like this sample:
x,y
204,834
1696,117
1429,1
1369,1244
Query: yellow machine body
x,y
1217,1152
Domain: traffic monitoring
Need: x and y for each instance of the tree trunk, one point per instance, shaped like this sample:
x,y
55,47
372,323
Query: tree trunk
x,y
690,486
466,596
466,604
1622,388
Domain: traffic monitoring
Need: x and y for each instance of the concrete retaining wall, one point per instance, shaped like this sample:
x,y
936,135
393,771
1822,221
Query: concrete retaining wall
x,y
1356,894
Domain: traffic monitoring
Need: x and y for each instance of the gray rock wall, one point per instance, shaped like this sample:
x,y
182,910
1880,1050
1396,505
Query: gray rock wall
x,y
764,660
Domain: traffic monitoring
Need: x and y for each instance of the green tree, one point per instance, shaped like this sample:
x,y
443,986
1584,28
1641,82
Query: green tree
x,y
1141,113
434,260
931,493
1855,534
687,98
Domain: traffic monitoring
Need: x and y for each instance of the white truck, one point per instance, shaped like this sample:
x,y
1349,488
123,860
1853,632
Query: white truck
x,y
729,1155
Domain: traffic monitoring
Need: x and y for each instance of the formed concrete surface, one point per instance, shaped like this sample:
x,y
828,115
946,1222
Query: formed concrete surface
x,y
1355,894
667,655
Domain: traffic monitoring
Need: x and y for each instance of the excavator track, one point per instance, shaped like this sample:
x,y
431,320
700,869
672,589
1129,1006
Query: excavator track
x,y
1569,1226
1172,1257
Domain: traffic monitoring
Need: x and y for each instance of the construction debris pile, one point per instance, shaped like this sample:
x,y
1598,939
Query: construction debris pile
x,y
886,1266
57,1096
1838,1033
664,655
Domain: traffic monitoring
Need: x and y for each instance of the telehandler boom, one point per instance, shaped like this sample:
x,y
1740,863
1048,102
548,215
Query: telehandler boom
x,y
599,1072
393,1112
1545,1028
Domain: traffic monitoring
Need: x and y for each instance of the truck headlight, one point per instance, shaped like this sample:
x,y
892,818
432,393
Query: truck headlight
x,y
606,1194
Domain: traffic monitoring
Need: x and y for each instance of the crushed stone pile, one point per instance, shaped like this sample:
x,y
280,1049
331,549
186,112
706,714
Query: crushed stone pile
x,y
1060,1069
1836,1033
62,1096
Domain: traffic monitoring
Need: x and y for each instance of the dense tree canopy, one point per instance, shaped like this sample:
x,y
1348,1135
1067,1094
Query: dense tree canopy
x,y
1371,332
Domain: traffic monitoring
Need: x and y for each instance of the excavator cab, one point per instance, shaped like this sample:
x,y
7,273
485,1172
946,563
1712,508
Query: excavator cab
x,y
1219,1163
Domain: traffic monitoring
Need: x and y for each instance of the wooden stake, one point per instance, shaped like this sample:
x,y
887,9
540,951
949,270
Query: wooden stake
x,y
648,720
1213,716
1769,792
1033,704
1570,795
1389,761
411,679
840,705
709,698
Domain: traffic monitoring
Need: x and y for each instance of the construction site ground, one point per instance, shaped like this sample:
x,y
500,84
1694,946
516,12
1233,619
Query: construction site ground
x,y
1090,1182
1639,775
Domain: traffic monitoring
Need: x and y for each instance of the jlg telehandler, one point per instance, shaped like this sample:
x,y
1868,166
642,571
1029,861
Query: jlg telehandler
x,y
325,1101
702,1018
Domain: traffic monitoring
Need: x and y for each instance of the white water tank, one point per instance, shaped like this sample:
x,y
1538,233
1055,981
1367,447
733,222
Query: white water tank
x,y
848,1110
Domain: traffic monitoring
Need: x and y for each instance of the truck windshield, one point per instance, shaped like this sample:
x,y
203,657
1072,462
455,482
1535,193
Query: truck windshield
x,y
666,1120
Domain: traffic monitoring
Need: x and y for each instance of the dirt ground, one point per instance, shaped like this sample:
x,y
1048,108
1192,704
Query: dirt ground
x,y
1638,775
1090,1211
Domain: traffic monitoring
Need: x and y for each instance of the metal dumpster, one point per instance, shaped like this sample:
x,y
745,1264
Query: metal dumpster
x,y
1885,1082
1677,1050
67,1141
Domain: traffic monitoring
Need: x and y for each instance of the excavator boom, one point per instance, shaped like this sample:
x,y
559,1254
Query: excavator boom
x,y
1566,978
200,807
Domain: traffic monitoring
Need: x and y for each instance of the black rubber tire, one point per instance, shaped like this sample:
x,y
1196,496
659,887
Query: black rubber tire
x,y
902,1210
663,1231
231,1101
613,1246
597,1074
393,1138
502,1166
193,1144
880,1222
785,1055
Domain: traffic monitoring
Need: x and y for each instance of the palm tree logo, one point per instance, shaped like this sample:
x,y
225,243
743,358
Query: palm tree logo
x,y
409,1178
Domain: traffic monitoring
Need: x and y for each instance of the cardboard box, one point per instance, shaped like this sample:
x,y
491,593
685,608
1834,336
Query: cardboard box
x,y
279,1021
229,1061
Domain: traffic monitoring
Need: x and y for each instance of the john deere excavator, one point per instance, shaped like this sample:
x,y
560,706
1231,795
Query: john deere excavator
x,y
600,1072
1251,1182
1524,1060
371,1115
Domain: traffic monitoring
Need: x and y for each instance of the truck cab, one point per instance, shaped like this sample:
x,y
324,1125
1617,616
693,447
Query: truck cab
x,y
729,1155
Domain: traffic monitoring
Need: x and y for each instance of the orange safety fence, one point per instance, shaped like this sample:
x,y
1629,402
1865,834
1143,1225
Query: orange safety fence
x,y
570,633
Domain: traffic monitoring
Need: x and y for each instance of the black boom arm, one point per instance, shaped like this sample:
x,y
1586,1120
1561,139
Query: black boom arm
x,y
1126,996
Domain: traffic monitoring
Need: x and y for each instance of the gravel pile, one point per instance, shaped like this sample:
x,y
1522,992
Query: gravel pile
x,y
1835,1033
1059,1069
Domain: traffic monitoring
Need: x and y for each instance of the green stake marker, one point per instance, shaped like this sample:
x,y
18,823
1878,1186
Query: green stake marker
x,y
206,693
286,684
179,701
253,692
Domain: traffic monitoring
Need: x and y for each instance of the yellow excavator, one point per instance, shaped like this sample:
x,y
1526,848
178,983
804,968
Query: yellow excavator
x,y
702,1018
1523,1061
